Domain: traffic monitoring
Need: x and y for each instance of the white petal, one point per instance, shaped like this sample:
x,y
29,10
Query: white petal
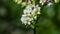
x,y
38,8
49,4
29,23
24,15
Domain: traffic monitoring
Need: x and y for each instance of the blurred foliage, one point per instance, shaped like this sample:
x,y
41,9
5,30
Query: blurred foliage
x,y
10,13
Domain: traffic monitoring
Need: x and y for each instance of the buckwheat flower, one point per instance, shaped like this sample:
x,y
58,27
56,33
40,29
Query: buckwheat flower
x,y
36,10
26,20
27,12
37,7
50,3
30,13
43,1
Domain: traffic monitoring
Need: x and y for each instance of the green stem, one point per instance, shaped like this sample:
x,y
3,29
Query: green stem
x,y
35,30
35,27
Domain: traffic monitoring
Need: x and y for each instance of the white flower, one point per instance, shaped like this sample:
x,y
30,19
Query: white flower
x,y
36,9
27,12
43,1
49,4
30,13
26,20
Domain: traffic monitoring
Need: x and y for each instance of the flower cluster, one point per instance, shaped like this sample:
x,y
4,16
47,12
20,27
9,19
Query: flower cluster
x,y
30,13
31,10
49,2
24,3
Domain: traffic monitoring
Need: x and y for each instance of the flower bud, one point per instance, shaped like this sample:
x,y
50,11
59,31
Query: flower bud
x,y
38,12
23,4
17,1
35,17
56,1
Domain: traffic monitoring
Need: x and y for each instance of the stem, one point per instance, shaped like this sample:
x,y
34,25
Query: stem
x,y
35,30
35,25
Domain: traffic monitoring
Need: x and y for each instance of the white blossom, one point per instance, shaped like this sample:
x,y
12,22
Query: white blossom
x,y
49,4
36,9
27,11
43,1
30,13
26,20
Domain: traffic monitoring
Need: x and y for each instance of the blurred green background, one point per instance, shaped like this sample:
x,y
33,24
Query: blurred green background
x,y
10,14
